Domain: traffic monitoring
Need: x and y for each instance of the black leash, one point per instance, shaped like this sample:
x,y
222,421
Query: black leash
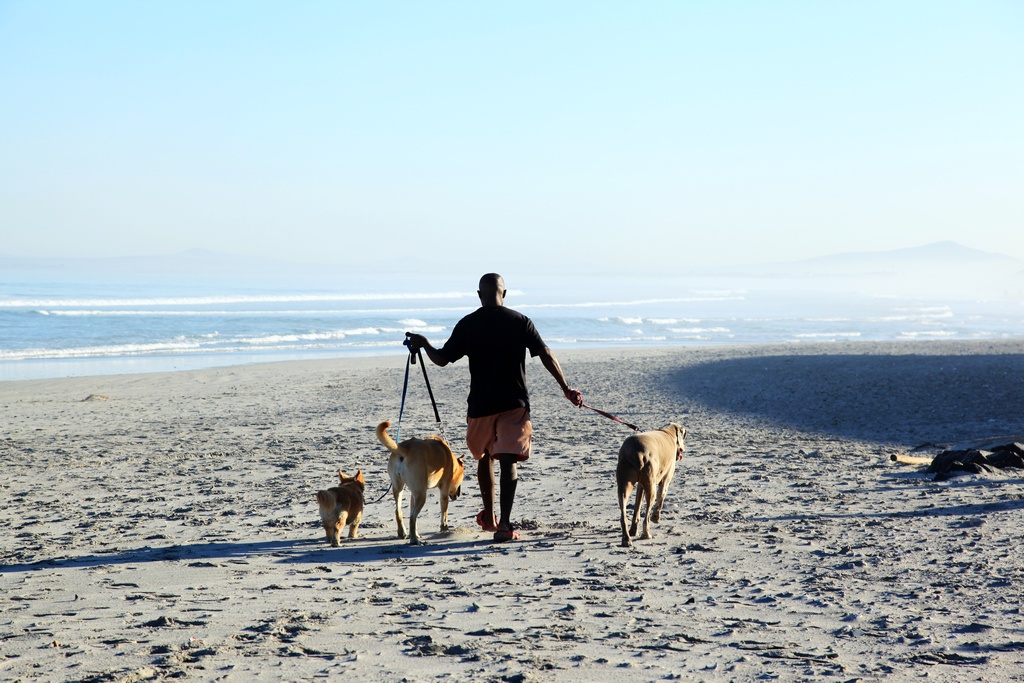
x,y
386,492
433,403
405,390
398,431
411,360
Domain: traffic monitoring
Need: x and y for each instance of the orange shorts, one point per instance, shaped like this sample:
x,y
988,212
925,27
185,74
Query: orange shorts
x,y
507,432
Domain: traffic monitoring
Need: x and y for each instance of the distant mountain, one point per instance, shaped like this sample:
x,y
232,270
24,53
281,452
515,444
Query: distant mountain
x,y
934,257
937,255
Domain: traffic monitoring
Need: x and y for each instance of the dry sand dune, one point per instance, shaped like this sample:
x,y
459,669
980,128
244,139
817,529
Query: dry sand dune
x,y
167,528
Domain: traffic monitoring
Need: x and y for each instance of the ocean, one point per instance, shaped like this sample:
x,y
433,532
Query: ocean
x,y
67,328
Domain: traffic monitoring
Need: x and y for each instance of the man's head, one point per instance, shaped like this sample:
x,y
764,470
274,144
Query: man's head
x,y
491,290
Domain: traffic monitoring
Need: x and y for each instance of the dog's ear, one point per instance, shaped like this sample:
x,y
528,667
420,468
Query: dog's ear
x,y
359,477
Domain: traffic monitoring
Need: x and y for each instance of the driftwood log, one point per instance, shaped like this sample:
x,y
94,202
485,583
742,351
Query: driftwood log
x,y
911,459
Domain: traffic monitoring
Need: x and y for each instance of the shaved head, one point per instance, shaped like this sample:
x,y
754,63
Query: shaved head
x,y
492,282
492,290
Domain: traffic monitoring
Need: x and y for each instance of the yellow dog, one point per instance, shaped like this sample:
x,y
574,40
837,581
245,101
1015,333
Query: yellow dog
x,y
421,464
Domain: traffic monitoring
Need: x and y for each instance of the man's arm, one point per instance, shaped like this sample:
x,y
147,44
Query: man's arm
x,y
551,363
418,341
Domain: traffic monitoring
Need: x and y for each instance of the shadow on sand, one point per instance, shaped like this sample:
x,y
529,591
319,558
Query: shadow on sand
x,y
361,550
967,510
900,398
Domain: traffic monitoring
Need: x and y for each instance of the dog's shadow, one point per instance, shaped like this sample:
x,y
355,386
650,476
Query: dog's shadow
x,y
297,551
365,550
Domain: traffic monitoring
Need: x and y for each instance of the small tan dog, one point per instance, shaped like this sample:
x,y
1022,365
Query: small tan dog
x,y
341,505
421,464
648,461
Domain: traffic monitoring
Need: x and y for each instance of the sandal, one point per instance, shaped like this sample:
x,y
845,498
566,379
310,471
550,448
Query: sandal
x,y
504,534
484,525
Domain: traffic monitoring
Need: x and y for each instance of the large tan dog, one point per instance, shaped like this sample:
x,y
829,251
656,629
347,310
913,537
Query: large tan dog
x,y
648,461
421,464
341,505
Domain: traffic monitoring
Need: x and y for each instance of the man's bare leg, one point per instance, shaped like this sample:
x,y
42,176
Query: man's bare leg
x,y
485,478
509,481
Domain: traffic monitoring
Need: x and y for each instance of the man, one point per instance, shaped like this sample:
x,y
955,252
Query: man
x,y
496,339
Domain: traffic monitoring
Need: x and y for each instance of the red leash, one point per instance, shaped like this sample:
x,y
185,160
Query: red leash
x,y
610,416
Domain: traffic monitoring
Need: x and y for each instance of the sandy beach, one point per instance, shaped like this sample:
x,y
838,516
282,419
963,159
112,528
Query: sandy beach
x,y
164,526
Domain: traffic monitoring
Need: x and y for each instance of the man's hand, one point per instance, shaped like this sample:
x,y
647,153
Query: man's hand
x,y
574,396
414,341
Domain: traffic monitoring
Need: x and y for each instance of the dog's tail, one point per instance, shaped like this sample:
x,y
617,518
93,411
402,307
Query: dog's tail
x,y
385,438
325,499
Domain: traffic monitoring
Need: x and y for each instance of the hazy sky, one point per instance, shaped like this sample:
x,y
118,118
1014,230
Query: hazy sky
x,y
576,135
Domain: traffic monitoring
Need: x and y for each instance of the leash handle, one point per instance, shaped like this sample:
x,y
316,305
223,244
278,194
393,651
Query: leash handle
x,y
610,417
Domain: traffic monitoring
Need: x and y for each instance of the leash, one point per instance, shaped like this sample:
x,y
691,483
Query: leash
x,y
405,390
398,430
430,392
386,492
611,417
411,360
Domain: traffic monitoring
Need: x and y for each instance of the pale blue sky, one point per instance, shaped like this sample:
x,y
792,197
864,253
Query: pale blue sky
x,y
576,135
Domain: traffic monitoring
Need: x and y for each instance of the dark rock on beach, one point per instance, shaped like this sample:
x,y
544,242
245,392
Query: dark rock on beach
x,y
951,463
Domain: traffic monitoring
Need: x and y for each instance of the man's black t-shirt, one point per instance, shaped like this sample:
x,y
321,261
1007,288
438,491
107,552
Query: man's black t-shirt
x,y
495,339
